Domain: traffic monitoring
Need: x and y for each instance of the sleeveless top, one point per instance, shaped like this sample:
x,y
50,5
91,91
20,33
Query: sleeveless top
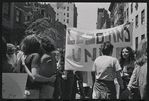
x,y
48,65
35,84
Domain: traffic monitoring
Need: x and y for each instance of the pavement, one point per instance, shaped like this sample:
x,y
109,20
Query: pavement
x,y
88,93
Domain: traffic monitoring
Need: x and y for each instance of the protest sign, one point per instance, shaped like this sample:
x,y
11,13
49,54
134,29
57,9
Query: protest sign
x,y
83,46
13,85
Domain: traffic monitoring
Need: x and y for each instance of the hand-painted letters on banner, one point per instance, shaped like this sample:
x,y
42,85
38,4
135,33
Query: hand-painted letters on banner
x,y
83,46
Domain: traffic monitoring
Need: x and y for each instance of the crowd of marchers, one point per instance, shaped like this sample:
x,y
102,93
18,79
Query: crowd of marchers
x,y
47,78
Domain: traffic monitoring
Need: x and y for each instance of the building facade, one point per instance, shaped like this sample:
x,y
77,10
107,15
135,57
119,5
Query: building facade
x,y
135,12
116,14
66,13
7,20
138,14
17,16
57,27
13,17
102,19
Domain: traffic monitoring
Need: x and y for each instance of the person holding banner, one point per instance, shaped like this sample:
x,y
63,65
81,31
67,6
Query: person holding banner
x,y
106,68
31,65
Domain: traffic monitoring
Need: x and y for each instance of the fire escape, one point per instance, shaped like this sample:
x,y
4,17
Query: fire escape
x,y
120,14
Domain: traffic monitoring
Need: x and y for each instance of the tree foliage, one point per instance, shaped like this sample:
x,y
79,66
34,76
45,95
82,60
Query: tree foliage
x,y
42,27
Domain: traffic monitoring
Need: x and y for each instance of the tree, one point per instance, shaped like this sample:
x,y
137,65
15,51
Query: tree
x,y
42,27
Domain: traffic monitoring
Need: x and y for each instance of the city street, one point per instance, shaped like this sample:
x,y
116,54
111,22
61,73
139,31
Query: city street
x,y
56,50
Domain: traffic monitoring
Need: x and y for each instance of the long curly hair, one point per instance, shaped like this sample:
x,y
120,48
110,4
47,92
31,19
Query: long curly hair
x,y
131,57
47,44
30,44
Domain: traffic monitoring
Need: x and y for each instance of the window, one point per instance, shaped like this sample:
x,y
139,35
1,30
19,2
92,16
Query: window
x,y
43,12
136,42
64,7
64,20
127,12
67,8
18,15
124,15
67,20
142,36
36,4
6,10
57,13
136,6
27,17
49,17
124,4
51,20
136,20
28,3
67,14
64,13
131,7
38,9
142,17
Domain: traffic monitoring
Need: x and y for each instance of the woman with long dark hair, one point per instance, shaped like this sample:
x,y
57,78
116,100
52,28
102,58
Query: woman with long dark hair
x,y
31,62
126,60
138,81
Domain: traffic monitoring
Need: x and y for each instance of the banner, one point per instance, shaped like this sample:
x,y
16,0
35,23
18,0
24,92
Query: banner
x,y
83,46
13,85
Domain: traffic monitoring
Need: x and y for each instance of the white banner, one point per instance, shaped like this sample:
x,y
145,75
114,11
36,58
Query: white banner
x,y
13,85
83,46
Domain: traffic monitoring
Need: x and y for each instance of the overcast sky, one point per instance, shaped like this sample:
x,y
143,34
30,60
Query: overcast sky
x,y
87,14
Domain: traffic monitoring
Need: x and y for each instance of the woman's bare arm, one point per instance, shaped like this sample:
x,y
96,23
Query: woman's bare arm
x,y
119,79
35,75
